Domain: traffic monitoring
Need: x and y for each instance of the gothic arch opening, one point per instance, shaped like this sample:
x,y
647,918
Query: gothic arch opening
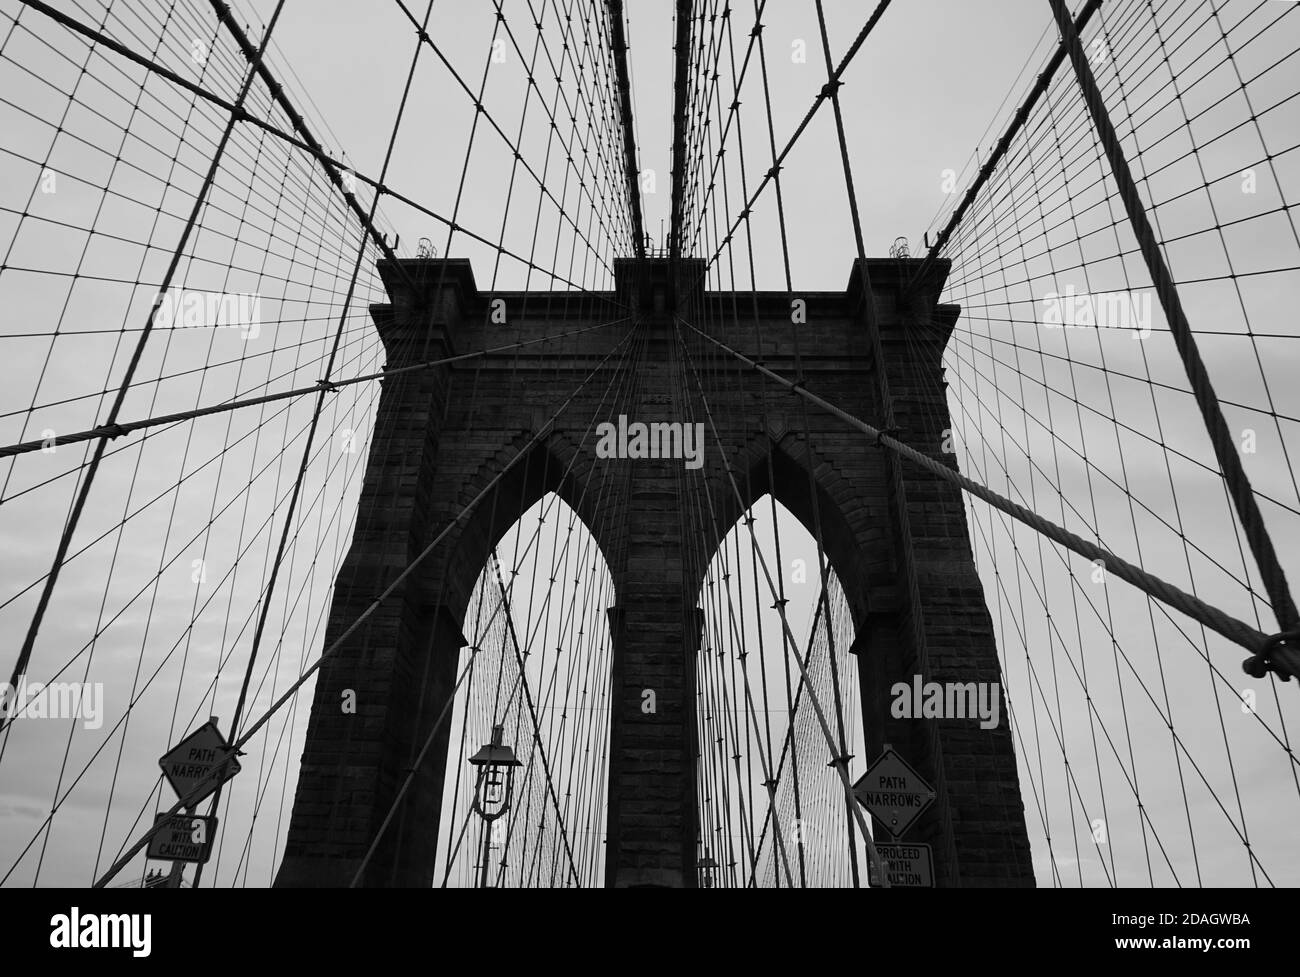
x,y
537,664
756,679
779,467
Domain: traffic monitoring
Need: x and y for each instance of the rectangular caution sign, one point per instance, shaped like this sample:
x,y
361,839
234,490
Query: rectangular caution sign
x,y
908,866
185,838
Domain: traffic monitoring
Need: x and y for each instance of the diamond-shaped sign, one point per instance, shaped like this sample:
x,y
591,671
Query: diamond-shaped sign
x,y
191,760
893,792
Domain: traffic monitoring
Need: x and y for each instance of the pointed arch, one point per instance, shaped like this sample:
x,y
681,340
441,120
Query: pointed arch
x,y
553,465
541,670
812,490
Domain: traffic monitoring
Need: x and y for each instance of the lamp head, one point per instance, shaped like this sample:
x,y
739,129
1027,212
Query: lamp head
x,y
495,754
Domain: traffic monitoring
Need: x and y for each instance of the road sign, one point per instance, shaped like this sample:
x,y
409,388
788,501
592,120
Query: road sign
x,y
191,760
893,792
908,866
184,838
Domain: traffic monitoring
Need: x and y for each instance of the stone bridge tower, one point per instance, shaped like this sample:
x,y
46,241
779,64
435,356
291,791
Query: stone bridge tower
x,y
442,447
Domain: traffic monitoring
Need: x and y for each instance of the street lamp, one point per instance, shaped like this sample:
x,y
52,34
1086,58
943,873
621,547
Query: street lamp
x,y
706,865
492,787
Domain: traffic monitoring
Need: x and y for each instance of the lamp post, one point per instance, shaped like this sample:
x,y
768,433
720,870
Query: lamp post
x,y
492,788
706,865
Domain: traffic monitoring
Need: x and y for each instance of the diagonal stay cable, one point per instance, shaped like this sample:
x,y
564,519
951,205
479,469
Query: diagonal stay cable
x,y
306,144
198,792
118,430
821,98
1261,544
74,517
1213,618
324,385
437,724
333,171
532,711
1017,123
839,762
410,774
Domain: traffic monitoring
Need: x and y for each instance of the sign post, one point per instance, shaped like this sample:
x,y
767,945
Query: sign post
x,y
189,837
896,795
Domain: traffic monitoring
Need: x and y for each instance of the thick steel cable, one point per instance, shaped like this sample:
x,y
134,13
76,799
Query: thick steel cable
x,y
223,13
737,82
1017,122
1231,628
74,517
269,590
803,125
232,145
1225,450
307,143
495,126
633,183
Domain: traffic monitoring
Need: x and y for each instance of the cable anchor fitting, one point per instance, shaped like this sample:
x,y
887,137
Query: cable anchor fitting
x,y
892,432
1280,654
